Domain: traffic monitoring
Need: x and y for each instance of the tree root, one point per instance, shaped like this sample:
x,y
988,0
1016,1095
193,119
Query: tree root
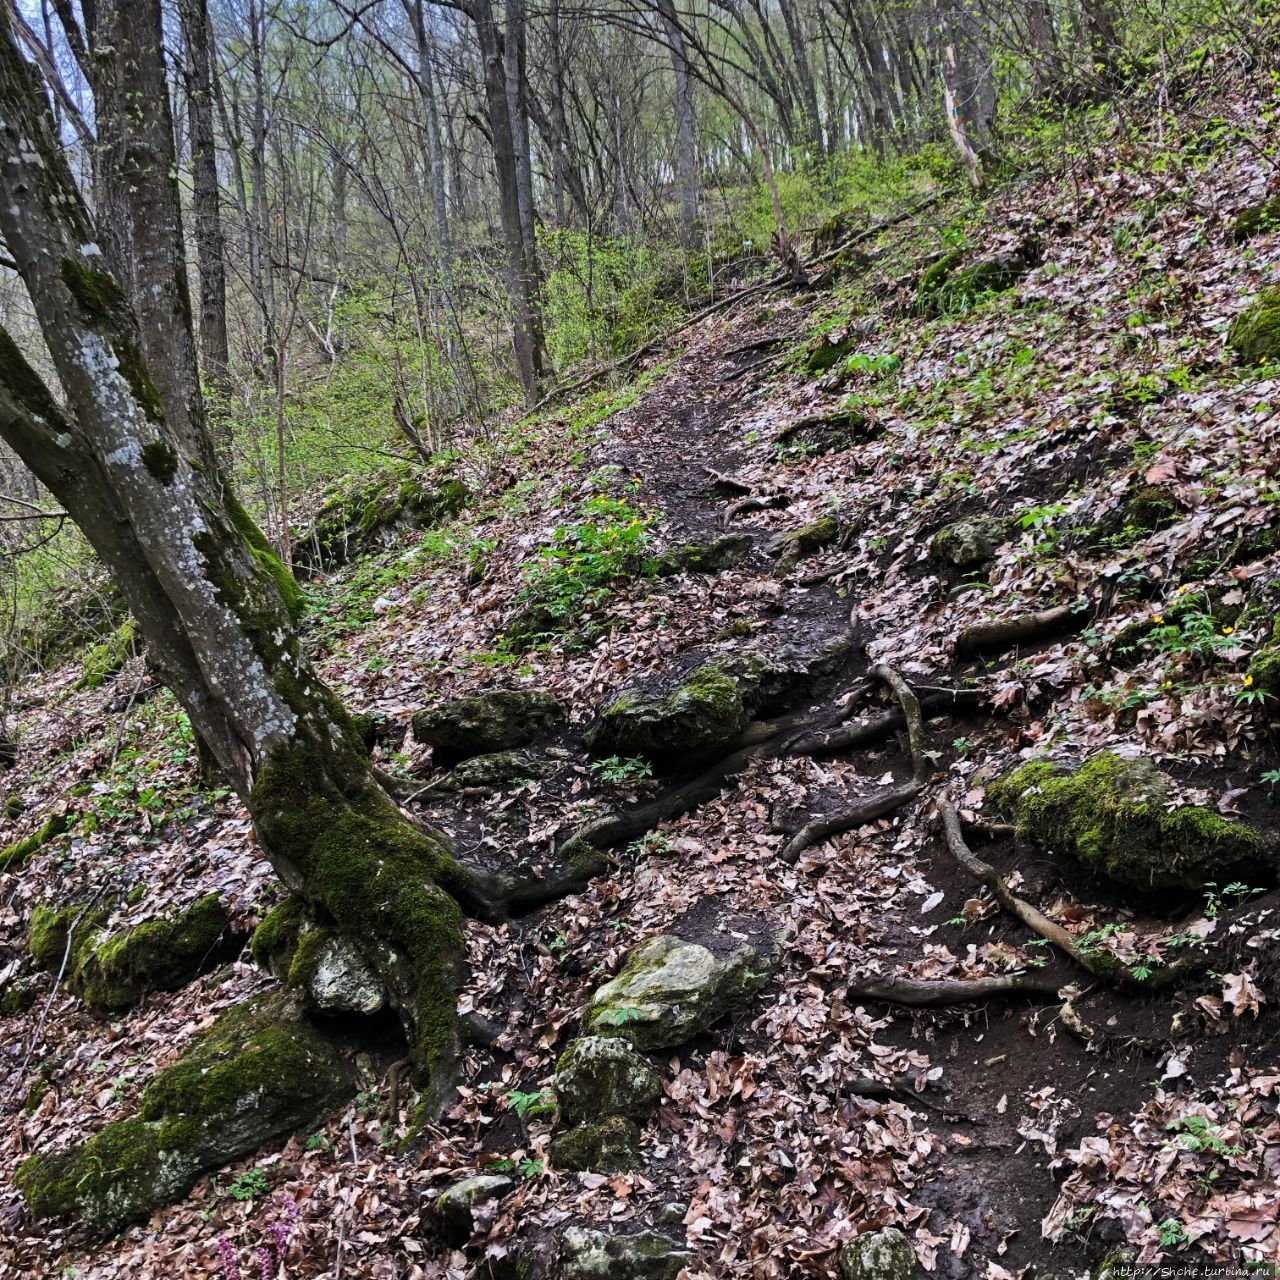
x,y
925,992
822,829
732,483
1030,626
856,735
913,716
745,505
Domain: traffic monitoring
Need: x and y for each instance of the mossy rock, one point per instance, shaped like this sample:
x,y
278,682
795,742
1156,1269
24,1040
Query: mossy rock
x,y
836,229
1264,669
1254,335
878,1255
14,807
455,1206
494,770
827,354
276,939
670,990
706,710
333,975
773,679
604,1076
114,972
791,547
828,433
1258,219
705,557
369,513
18,997
16,855
500,720
1112,815
259,1072
649,1255
611,1145
946,288
107,657
1151,509
971,541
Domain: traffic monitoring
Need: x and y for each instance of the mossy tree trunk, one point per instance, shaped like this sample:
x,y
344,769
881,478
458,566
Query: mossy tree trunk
x,y
127,456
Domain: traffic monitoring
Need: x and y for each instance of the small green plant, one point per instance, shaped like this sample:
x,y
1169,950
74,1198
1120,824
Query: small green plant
x,y
617,770
529,1106
961,746
252,1184
530,1168
1196,1133
877,365
620,1017
1171,1233
1091,943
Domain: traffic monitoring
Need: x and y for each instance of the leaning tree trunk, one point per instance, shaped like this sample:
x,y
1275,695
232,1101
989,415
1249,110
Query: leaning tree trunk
x,y
201,582
968,93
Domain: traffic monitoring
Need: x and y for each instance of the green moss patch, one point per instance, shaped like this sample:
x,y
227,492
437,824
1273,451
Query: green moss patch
x,y
1113,815
276,939
1257,220
17,854
107,657
1254,335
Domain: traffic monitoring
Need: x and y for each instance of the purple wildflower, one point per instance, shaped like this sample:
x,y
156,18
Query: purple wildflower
x,y
230,1264
267,1263
279,1233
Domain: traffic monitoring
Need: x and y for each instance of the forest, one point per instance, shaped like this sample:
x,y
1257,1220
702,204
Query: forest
x,y
640,639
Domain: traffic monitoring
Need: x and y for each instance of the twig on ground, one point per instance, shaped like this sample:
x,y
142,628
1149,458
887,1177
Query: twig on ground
x,y
940,991
823,828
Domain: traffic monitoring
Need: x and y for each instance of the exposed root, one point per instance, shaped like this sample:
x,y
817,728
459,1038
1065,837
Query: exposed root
x,y
913,716
822,829
732,483
743,506
942,991
1030,626
845,736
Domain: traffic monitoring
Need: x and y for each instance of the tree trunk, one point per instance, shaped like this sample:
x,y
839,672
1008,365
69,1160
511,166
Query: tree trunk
x,y
968,94
686,141
197,72
526,325
197,575
804,75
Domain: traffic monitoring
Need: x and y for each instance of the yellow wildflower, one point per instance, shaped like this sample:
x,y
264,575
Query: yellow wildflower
x,y
1246,681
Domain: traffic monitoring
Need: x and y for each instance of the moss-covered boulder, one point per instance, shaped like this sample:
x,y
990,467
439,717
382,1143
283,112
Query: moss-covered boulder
x,y
971,541
276,939
106,658
15,856
705,710
791,547
670,990
828,353
604,1076
158,955
1114,816
495,770
259,1072
333,976
774,678
1254,335
361,517
947,288
500,720
1151,509
592,1255
456,1205
1258,219
828,433
113,971
878,1255
1263,674
715,556
610,1145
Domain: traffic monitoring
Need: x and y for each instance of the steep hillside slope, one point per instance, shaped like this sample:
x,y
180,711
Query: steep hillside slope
x,y
1004,456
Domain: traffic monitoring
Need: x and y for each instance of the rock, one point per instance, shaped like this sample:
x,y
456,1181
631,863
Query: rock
x,y
827,354
828,433
113,971
706,710
1256,220
489,722
669,990
258,1072
1254,335
604,1076
1113,815
970,541
456,1204
773,680
946,288
592,1255
276,939
334,977
1117,1265
791,547
15,856
1264,669
878,1255
496,769
705,557
611,1145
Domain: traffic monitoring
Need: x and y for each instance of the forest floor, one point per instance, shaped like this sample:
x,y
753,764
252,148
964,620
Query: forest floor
x,y
1037,1130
